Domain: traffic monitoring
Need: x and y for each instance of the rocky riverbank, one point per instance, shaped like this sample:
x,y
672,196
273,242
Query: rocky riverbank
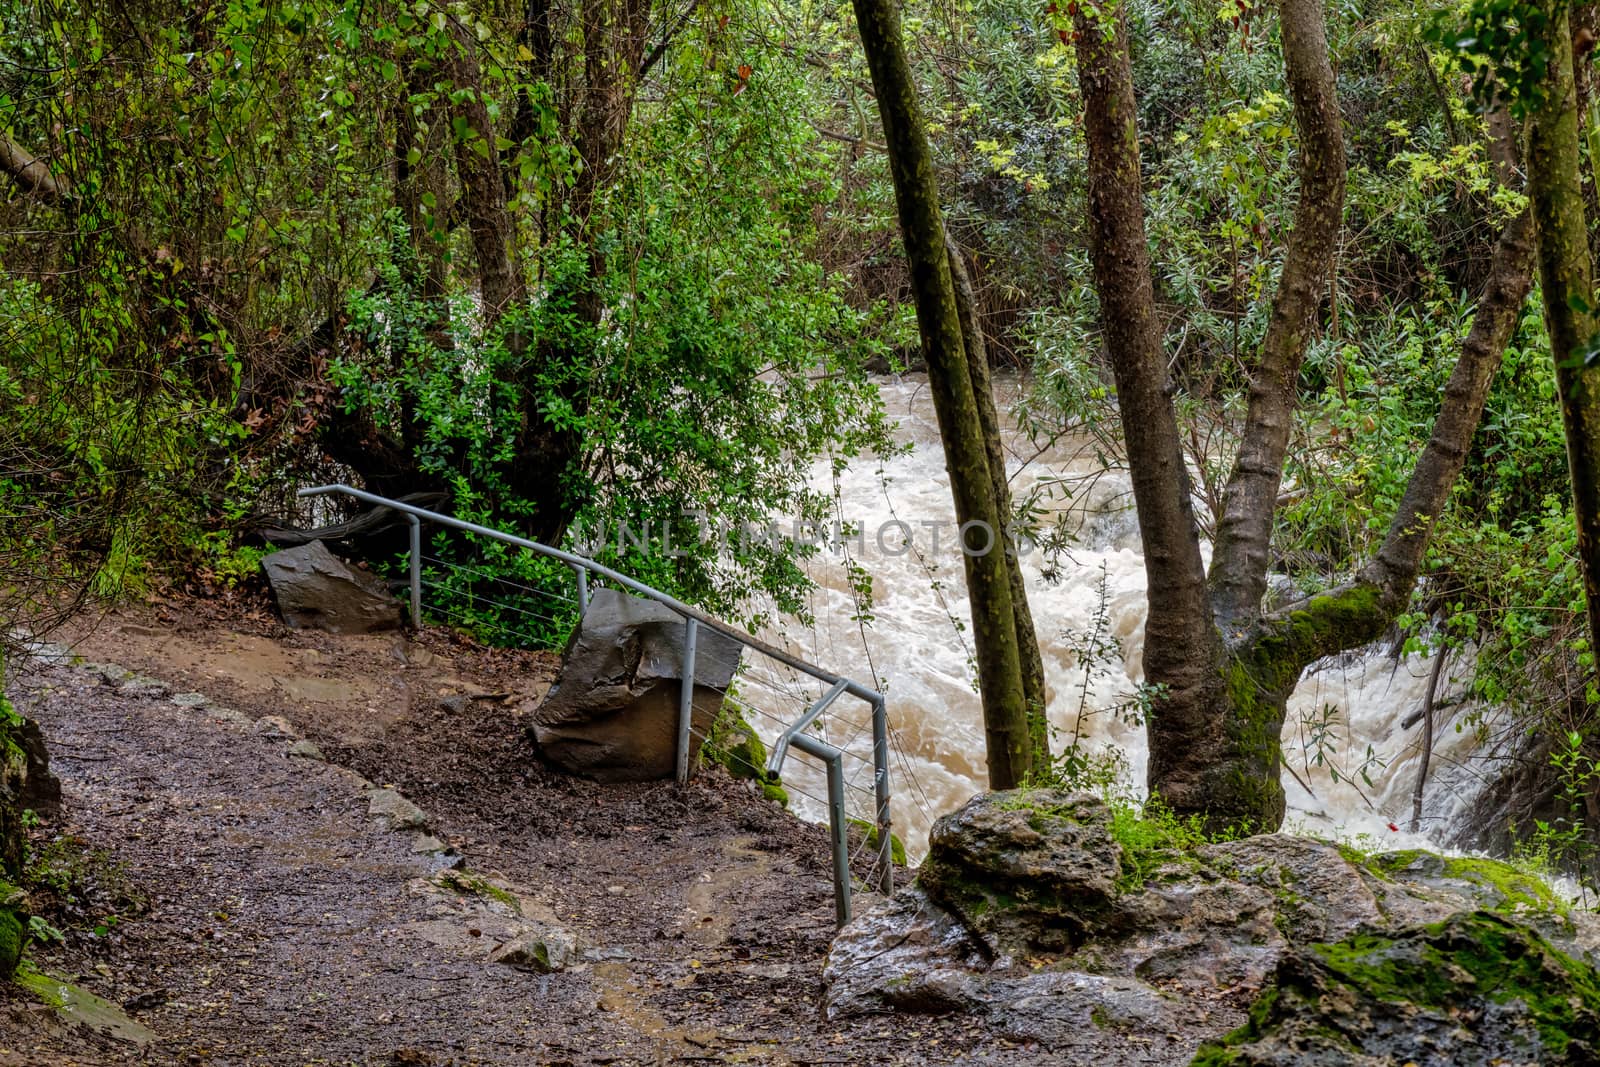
x,y
1039,913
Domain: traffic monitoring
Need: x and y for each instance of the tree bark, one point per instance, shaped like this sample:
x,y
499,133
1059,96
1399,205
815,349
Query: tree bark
x,y
415,184
1566,277
977,350
483,193
28,171
1265,662
1244,529
1183,649
1005,709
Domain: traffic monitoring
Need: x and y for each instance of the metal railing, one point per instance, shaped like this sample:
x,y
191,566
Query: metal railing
x,y
792,736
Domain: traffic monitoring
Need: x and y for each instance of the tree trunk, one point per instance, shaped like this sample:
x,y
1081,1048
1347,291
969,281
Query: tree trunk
x,y
977,350
1183,650
1566,277
994,622
1244,529
417,183
483,193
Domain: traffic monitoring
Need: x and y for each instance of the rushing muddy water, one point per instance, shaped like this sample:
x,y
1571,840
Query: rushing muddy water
x,y
1345,719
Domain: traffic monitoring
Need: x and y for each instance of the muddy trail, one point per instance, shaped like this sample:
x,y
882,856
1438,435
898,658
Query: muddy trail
x,y
238,793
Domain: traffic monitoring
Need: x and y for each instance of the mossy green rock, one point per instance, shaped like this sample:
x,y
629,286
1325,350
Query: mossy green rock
x,y
13,781
869,834
13,933
734,745
1024,870
1477,988
80,1008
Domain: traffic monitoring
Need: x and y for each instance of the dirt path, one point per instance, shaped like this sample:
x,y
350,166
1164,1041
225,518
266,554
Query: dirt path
x,y
288,925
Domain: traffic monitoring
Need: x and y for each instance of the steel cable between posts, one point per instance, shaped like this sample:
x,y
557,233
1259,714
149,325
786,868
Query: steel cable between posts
x,y
784,724
773,687
500,579
920,800
453,616
760,772
480,598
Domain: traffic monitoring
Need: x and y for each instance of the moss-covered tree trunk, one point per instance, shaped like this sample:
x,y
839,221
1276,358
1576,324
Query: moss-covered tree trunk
x,y
1033,687
1225,668
994,620
1566,278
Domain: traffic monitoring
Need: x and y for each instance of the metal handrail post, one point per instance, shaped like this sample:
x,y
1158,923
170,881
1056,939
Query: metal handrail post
x,y
691,631
583,591
880,789
838,827
416,571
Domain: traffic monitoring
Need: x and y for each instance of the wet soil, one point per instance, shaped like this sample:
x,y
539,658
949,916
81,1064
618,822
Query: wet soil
x,y
278,922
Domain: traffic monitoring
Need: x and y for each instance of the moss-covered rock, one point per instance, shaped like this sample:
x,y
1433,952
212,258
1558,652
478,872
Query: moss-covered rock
x,y
1494,884
13,929
25,781
1475,988
1025,870
869,835
734,745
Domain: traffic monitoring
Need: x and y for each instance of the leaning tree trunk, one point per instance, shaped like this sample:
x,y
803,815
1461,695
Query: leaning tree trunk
x,y
1032,662
1005,708
1566,278
1244,529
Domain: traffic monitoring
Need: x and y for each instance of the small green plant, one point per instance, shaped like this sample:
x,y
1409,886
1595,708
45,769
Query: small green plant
x,y
1566,843
41,931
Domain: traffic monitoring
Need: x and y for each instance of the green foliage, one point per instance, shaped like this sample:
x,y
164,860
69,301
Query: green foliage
x,y
725,367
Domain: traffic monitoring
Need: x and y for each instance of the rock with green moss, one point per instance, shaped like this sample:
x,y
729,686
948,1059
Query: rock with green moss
x,y
1477,988
1025,870
1025,894
871,838
734,745
25,782
13,928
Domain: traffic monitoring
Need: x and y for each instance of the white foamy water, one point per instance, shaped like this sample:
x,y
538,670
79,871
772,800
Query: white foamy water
x,y
915,648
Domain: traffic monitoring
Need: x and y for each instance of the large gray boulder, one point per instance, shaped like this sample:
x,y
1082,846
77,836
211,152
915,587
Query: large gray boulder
x,y
613,712
316,590
1025,872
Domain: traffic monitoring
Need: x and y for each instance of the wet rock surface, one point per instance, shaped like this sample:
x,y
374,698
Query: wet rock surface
x,y
1473,989
1025,877
1030,914
612,714
316,590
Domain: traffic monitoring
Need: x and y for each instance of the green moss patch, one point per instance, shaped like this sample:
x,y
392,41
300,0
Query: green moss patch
x,y
1495,884
13,933
733,744
869,831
